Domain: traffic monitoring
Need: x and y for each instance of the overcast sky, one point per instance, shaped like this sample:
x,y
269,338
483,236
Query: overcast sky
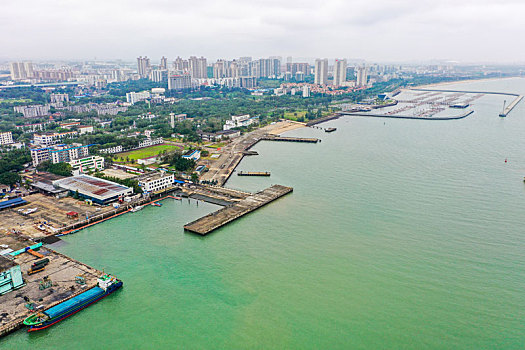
x,y
374,30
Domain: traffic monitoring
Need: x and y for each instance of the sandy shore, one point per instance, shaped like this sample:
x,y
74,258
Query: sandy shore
x,y
284,126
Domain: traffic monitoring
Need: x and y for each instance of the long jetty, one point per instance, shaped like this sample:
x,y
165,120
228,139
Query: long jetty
x,y
289,139
322,120
223,216
253,173
511,106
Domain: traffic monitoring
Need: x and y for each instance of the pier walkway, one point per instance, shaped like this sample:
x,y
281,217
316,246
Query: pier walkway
x,y
511,106
217,219
253,173
289,139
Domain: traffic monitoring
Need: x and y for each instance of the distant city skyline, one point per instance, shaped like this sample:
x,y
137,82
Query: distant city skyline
x,y
374,30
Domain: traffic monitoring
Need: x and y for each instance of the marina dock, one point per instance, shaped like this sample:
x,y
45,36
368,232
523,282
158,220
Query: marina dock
x,y
217,219
253,173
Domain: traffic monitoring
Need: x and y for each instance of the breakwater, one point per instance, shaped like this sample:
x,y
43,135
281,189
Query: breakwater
x,y
217,219
373,115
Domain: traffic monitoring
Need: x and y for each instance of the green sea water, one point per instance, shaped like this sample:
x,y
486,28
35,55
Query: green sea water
x,y
400,234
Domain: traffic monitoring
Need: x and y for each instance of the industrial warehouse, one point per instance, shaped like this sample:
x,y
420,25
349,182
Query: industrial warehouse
x,y
97,190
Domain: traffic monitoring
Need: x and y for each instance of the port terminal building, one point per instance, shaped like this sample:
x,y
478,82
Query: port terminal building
x,y
156,182
99,191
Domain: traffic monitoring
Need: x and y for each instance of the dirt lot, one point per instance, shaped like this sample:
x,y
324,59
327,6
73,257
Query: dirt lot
x,y
50,210
120,174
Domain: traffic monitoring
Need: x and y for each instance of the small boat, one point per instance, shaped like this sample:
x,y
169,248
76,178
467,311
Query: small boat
x,y
155,204
330,129
137,208
106,285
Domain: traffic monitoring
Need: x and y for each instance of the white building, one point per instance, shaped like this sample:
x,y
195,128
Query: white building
x,y
109,150
66,153
87,165
362,76
85,129
57,98
51,138
31,127
6,138
306,91
134,97
339,72
58,153
156,182
151,142
21,70
180,82
195,155
32,111
239,121
321,71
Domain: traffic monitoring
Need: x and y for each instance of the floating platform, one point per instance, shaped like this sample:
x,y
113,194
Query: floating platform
x,y
217,219
253,173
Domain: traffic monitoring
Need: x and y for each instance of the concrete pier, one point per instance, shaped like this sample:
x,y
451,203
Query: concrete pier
x,y
253,173
289,139
511,106
217,219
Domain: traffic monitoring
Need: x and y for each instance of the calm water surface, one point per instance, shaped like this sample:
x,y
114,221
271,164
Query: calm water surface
x,y
399,234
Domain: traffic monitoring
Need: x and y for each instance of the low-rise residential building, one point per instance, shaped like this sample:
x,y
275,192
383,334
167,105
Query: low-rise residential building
x,y
87,165
195,155
31,127
51,138
58,153
66,153
151,142
6,138
110,150
156,182
69,125
85,129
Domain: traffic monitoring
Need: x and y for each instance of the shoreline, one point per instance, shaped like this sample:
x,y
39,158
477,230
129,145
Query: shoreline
x,y
480,80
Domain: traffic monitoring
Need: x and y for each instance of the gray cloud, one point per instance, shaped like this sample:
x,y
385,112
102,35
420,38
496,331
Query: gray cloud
x,y
377,30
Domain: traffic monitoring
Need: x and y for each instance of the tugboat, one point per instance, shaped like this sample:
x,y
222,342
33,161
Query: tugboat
x,y
106,285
